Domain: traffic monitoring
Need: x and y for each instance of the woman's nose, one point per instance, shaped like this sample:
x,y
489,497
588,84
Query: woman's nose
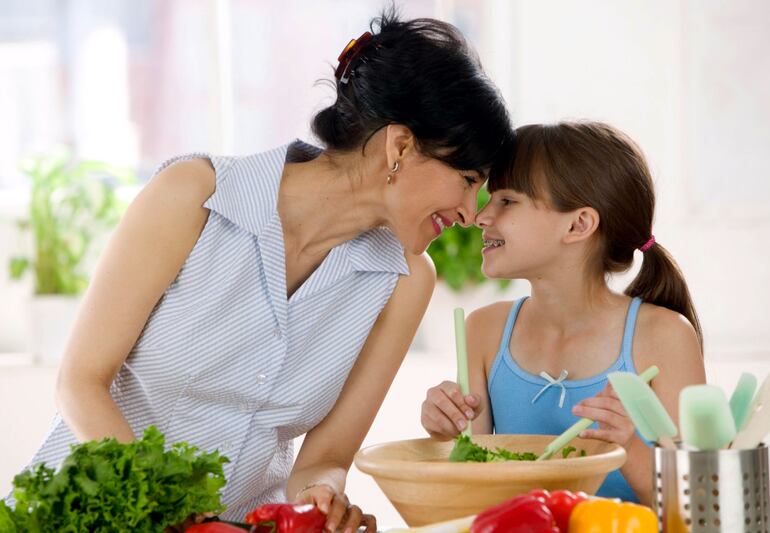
x,y
467,211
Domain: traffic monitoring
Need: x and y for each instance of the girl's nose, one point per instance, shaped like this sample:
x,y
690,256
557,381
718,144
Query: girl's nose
x,y
484,217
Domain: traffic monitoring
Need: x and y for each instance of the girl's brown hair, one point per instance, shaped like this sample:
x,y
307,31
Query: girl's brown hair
x,y
571,165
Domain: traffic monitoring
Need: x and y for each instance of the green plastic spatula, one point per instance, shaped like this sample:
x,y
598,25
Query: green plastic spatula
x,y
705,417
757,424
574,430
644,408
461,348
741,399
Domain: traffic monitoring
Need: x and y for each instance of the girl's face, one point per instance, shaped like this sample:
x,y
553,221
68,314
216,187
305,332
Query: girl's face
x,y
428,196
522,236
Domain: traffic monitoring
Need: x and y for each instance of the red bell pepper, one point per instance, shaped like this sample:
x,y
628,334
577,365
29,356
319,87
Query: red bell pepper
x,y
214,527
286,518
521,514
560,503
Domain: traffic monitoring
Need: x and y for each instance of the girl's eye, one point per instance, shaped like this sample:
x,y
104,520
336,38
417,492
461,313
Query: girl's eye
x,y
506,201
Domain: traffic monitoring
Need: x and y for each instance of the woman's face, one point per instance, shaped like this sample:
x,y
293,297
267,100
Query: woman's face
x,y
428,196
521,235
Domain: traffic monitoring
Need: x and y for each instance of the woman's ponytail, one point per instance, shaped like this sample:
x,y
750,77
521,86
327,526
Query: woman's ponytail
x,y
661,282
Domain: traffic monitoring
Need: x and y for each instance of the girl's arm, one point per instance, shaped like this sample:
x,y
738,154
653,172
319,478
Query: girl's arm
x,y
143,257
327,452
445,411
666,339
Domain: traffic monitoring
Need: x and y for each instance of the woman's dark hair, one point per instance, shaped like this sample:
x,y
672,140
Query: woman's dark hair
x,y
590,164
422,74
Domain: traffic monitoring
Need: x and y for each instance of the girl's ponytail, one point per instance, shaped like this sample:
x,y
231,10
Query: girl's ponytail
x,y
661,282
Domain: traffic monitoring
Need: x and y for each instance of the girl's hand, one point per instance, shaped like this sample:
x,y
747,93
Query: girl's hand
x,y
446,412
340,515
606,409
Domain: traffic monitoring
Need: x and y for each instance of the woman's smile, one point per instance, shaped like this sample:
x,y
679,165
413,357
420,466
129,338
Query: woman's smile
x,y
440,223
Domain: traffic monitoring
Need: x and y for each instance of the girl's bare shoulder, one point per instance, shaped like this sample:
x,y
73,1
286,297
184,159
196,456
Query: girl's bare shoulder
x,y
485,325
665,338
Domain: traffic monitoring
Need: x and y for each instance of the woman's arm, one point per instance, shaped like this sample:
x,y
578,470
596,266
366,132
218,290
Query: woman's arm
x,y
328,449
143,257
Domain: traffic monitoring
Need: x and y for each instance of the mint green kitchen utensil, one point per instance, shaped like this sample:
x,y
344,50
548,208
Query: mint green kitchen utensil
x,y
461,348
705,417
757,424
741,399
574,430
644,408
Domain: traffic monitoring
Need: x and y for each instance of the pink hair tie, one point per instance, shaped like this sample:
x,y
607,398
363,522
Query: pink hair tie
x,y
646,246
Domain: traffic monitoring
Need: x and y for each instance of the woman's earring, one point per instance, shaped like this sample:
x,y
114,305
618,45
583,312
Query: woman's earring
x,y
392,171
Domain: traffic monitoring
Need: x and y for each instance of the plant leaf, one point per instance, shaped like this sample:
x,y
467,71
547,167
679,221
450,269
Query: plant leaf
x,y
18,266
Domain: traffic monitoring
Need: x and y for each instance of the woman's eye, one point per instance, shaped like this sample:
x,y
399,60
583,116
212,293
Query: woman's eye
x,y
470,179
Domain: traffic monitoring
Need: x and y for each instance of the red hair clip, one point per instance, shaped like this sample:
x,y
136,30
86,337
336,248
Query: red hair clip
x,y
349,53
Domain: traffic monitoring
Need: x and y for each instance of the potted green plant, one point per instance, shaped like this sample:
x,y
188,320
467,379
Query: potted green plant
x,y
457,257
72,203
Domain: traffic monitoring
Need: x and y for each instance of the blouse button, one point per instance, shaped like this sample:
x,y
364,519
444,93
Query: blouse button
x,y
277,333
261,378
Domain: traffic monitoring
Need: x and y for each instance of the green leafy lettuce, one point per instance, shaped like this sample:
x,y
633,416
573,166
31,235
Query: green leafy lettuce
x,y
465,450
105,486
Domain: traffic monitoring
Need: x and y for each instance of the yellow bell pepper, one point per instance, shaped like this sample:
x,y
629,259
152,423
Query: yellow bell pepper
x,y
612,516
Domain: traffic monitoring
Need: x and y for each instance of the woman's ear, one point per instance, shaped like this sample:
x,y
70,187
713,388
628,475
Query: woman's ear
x,y
584,223
399,140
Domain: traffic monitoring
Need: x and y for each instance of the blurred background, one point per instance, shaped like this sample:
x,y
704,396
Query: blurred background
x,y
94,95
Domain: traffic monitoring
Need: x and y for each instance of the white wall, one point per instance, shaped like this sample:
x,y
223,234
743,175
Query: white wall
x,y
640,66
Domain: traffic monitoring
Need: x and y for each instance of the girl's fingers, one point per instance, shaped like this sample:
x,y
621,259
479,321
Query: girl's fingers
x,y
473,400
604,402
601,434
436,422
453,392
603,416
448,408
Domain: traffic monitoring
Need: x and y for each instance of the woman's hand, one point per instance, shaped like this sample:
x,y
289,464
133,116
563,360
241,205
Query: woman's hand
x,y
606,409
340,515
446,412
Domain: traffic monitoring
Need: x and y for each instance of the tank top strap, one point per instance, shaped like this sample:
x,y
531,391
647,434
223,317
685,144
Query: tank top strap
x,y
506,338
628,333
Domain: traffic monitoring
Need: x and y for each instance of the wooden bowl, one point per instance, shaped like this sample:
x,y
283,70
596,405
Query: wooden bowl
x,y
425,487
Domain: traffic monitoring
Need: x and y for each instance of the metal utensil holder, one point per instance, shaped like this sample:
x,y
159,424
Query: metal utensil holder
x,y
714,491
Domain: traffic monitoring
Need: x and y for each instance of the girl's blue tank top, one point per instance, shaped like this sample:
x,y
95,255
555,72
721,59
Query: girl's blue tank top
x,y
523,403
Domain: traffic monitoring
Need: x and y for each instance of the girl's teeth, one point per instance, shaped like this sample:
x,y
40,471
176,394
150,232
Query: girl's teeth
x,y
494,243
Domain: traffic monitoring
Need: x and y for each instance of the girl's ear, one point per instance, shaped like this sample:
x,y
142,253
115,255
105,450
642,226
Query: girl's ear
x,y
584,223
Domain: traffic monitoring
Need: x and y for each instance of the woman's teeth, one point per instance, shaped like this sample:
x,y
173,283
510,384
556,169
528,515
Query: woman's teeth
x,y
494,243
439,221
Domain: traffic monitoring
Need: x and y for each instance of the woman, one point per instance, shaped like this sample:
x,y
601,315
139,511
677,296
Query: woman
x,y
245,301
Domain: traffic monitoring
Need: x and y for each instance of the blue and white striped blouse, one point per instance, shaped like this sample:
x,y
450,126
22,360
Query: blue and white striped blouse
x,y
225,360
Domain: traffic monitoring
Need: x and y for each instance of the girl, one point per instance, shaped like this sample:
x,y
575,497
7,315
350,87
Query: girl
x,y
570,206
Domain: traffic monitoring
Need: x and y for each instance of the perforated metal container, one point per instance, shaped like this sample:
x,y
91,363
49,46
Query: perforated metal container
x,y
718,491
